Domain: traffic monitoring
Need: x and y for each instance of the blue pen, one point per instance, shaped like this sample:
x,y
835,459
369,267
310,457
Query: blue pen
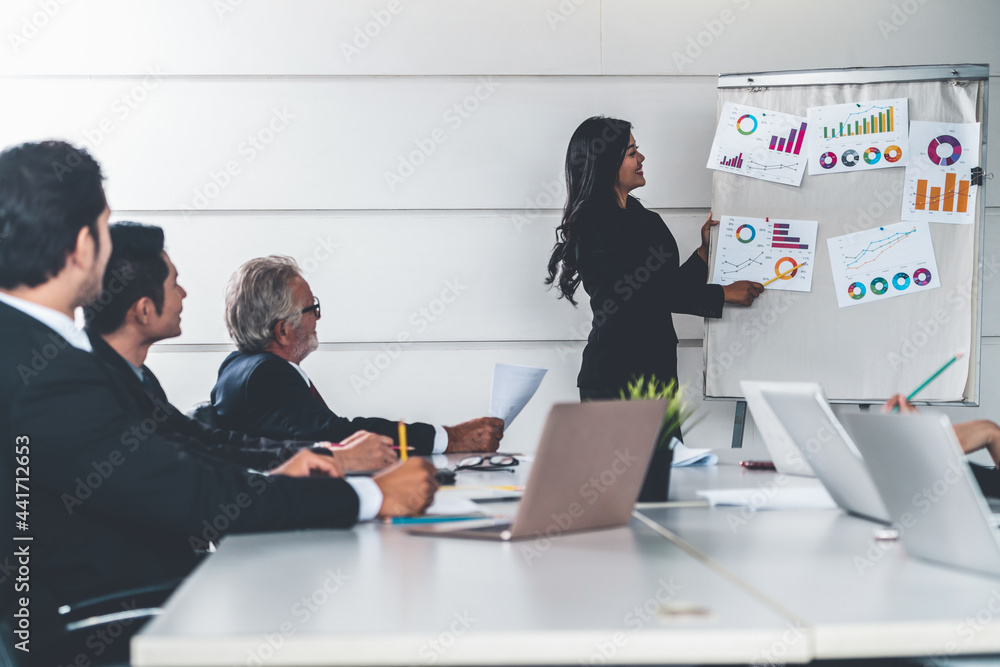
x,y
430,519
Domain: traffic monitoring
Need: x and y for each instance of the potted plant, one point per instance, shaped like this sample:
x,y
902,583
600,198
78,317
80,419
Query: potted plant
x,y
656,484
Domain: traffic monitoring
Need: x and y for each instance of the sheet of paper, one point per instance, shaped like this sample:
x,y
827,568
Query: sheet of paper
x,y
759,143
686,457
813,497
451,504
938,183
513,387
759,249
883,262
858,136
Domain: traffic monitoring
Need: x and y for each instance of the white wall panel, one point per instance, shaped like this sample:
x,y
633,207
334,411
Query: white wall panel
x,y
439,386
330,143
225,37
714,36
454,276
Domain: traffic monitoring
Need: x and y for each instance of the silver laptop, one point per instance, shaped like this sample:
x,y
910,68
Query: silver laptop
x,y
806,416
933,498
786,456
589,466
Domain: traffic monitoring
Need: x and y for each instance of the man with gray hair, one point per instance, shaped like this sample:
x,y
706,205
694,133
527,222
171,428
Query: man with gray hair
x,y
271,315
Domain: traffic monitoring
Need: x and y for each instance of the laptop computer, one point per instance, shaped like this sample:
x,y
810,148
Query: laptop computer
x,y
786,456
806,416
588,468
921,472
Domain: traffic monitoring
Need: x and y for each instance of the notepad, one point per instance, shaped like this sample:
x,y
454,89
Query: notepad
x,y
771,497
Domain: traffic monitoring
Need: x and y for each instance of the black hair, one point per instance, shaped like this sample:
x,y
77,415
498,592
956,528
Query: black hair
x,y
136,269
595,154
49,191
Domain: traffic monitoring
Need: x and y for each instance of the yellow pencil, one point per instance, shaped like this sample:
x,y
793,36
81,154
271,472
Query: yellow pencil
x,y
403,453
782,275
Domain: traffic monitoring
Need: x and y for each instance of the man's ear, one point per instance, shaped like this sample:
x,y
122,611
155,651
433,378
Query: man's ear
x,y
84,253
142,310
281,332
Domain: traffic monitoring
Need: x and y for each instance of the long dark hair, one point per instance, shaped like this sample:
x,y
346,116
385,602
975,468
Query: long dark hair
x,y
595,154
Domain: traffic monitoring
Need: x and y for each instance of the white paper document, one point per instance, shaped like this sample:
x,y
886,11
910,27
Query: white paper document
x,y
858,136
513,387
939,183
883,262
759,249
452,505
759,143
685,457
812,497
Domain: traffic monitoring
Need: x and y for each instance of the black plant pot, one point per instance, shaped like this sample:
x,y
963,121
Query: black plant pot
x,y
656,484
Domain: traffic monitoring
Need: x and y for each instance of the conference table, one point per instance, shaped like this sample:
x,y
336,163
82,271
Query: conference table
x,y
682,583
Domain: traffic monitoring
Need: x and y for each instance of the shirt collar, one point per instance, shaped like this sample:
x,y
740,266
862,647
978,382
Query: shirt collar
x,y
53,319
301,372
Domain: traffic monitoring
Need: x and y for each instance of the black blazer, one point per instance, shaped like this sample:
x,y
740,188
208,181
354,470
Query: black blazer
x,y
211,443
629,264
115,503
261,394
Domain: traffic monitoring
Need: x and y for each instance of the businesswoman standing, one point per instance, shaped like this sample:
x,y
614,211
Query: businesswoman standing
x,y
628,263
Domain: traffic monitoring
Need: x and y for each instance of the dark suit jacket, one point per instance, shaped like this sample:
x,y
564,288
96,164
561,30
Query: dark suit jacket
x,y
211,443
115,503
630,267
263,395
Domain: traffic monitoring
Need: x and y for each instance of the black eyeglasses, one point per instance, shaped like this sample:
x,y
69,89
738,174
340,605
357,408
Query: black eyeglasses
x,y
314,308
504,463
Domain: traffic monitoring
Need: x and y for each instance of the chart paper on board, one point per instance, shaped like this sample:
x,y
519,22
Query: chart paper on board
x,y
759,249
938,183
760,143
858,136
883,262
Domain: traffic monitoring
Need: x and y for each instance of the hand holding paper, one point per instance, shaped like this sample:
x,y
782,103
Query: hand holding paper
x,y
513,387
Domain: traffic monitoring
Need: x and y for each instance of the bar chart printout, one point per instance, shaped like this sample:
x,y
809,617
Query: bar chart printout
x,y
883,262
938,182
858,136
759,249
760,143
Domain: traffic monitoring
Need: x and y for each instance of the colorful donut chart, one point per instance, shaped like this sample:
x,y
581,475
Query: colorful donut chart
x,y
828,160
932,150
856,291
921,276
901,281
893,153
780,267
849,158
872,155
739,124
739,233
880,285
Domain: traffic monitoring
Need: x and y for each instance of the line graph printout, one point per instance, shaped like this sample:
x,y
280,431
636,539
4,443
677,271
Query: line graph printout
x,y
763,144
883,262
858,136
938,183
759,249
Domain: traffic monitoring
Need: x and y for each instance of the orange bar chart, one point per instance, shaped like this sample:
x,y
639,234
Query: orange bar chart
x,y
946,202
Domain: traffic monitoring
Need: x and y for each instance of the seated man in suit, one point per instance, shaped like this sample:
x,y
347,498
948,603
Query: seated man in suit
x,y
111,502
141,304
271,314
